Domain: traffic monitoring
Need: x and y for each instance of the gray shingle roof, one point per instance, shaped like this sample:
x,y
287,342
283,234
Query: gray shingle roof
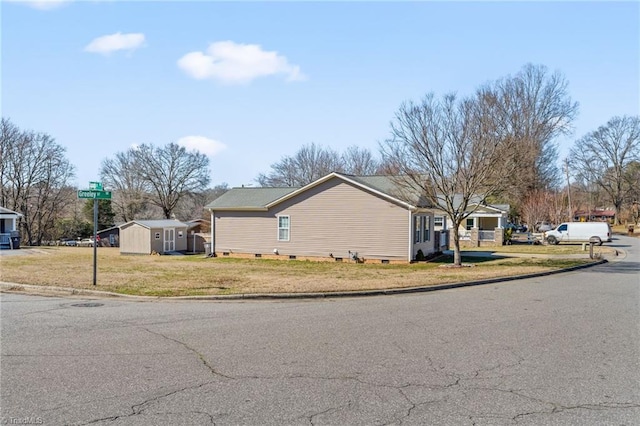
x,y
248,198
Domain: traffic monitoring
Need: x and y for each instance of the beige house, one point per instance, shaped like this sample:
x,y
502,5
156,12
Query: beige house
x,y
483,227
153,236
338,217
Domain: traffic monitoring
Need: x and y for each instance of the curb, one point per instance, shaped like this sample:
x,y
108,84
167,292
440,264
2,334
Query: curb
x,y
66,291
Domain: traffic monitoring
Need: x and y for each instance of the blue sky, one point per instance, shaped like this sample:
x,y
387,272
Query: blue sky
x,y
250,82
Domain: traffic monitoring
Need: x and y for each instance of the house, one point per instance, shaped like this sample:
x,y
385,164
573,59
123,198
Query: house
x,y
153,236
338,217
9,234
109,237
198,233
483,227
597,215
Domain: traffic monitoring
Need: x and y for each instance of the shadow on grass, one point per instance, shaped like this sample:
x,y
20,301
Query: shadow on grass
x,y
448,259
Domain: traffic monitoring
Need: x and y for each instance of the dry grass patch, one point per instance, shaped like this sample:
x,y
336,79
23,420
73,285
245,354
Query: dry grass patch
x,y
555,250
197,275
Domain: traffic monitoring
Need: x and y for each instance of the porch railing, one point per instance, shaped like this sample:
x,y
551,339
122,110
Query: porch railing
x,y
5,239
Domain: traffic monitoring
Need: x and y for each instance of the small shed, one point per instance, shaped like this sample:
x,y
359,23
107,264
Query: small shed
x,y
153,236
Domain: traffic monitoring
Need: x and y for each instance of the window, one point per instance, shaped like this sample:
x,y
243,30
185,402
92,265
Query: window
x,y
562,228
283,228
416,229
438,221
469,224
426,232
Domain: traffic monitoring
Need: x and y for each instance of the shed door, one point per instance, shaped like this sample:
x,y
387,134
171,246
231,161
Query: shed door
x,y
169,239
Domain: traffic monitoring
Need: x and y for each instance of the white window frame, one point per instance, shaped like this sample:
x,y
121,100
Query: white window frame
x,y
282,228
438,221
473,223
416,229
426,228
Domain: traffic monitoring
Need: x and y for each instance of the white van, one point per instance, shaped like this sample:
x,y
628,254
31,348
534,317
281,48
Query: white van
x,y
578,232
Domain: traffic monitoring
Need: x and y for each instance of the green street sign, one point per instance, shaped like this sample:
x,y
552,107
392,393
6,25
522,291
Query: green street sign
x,y
89,193
95,186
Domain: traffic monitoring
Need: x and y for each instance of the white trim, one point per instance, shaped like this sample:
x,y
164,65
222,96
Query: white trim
x,y
410,254
288,228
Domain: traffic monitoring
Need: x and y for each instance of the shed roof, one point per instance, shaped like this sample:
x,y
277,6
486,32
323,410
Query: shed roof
x,y
160,223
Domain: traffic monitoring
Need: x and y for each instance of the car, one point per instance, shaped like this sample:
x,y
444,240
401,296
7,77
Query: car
x,y
86,242
543,227
71,243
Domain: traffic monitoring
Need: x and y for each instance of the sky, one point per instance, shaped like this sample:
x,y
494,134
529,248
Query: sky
x,y
247,83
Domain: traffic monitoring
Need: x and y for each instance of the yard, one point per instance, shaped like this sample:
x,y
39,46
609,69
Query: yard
x,y
198,275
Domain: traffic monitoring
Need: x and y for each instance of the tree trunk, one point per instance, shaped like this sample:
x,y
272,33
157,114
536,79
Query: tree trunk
x,y
457,258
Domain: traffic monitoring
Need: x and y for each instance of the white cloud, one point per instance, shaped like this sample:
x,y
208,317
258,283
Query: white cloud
x,y
113,42
42,4
233,63
206,146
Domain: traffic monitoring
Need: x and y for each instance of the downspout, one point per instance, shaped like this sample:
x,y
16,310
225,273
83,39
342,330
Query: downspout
x,y
213,233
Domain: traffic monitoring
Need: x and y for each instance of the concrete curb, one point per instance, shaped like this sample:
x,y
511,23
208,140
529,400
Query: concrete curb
x,y
65,291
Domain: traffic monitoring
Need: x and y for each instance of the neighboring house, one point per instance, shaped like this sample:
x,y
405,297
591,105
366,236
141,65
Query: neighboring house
x,y
9,234
483,227
338,217
199,233
153,236
109,237
594,215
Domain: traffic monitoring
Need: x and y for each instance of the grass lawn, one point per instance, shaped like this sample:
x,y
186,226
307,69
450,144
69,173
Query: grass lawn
x,y
197,275
560,249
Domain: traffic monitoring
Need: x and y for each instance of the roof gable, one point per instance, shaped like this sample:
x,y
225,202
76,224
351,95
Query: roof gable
x,y
160,223
380,185
6,211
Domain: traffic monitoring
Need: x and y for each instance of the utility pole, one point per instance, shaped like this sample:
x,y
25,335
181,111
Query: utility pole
x,y
566,170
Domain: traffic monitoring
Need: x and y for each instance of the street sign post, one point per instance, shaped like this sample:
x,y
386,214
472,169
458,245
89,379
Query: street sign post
x,y
96,193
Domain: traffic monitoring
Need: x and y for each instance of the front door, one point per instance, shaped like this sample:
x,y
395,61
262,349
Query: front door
x,y
169,239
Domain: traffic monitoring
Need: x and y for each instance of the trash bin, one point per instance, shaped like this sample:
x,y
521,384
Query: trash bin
x,y
207,249
15,240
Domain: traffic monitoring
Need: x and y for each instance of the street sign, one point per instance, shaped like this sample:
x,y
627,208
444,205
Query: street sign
x,y
95,186
93,194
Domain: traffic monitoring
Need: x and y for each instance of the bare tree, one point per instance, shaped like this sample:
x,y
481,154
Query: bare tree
x,y
448,151
192,205
121,175
359,161
170,173
34,176
606,154
310,163
535,108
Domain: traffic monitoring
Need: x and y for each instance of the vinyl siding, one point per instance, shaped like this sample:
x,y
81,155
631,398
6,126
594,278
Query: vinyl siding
x,y
334,217
135,239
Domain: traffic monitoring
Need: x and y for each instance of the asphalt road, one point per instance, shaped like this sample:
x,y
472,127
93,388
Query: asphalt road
x,y
562,349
